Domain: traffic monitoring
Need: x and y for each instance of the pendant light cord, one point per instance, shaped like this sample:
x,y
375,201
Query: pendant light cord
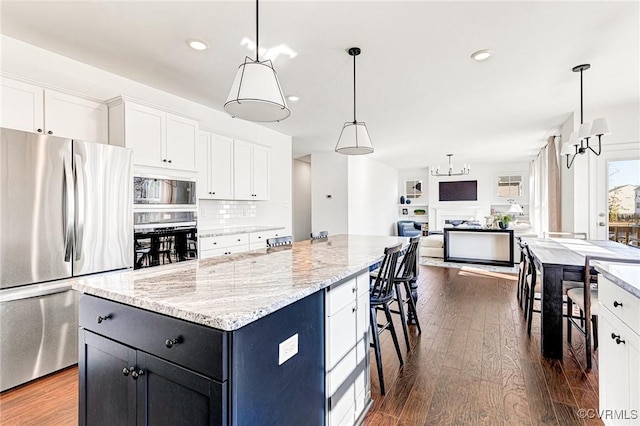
x,y
354,89
581,121
258,35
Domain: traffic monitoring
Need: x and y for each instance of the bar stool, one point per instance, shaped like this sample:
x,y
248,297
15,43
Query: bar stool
x,y
381,296
319,235
280,241
405,273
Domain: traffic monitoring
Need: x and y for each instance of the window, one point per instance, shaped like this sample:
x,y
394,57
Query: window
x,y
510,186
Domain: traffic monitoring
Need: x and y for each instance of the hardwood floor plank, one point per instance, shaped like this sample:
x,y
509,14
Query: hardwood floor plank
x,y
567,415
416,409
491,353
490,404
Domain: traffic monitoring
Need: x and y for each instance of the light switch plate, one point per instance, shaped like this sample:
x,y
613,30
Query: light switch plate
x,y
287,349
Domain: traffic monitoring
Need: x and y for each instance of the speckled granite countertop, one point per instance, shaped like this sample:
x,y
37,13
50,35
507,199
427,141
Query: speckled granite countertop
x,y
229,292
216,232
624,275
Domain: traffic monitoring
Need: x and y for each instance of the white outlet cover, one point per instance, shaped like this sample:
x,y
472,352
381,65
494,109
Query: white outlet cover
x,y
287,349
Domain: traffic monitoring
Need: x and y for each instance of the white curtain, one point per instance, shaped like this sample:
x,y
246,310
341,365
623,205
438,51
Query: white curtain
x,y
539,194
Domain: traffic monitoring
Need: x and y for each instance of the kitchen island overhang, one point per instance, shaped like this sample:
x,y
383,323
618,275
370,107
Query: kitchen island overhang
x,y
260,303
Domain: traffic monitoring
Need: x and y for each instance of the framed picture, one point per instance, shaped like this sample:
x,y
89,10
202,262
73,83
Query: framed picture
x,y
405,211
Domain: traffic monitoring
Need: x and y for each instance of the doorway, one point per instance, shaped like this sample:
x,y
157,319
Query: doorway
x,y
617,203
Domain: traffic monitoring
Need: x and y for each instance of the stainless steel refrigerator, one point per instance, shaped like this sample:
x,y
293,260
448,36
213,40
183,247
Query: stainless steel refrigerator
x,y
65,210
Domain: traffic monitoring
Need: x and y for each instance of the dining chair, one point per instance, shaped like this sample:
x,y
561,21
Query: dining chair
x,y
586,299
522,272
319,235
381,295
531,288
575,235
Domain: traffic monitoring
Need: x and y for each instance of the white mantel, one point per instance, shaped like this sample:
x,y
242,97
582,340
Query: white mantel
x,y
442,214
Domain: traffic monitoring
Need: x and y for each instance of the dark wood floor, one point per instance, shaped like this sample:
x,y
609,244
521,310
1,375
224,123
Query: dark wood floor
x,y
473,364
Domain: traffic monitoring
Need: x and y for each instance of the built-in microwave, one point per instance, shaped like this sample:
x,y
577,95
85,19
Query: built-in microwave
x,y
161,191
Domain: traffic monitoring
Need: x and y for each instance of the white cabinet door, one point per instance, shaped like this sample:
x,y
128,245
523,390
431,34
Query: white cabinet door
x,y
73,117
145,133
181,142
260,175
242,171
22,106
619,369
221,168
204,155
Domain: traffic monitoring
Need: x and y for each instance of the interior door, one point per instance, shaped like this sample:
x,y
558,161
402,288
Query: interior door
x,y
599,207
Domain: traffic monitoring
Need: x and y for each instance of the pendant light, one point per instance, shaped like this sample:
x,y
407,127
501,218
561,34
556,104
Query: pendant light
x,y
580,139
354,138
256,94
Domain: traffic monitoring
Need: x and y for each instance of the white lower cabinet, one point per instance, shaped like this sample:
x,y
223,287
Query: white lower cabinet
x,y
223,245
619,355
347,350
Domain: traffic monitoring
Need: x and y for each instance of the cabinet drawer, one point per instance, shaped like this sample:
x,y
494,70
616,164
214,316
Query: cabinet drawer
x,y
628,306
223,251
342,335
224,241
256,237
200,348
340,295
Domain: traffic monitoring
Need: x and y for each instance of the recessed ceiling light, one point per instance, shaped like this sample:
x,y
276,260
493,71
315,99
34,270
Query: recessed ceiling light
x,y
293,98
196,44
481,55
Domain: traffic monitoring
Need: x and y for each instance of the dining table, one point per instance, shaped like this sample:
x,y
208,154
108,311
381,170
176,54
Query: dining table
x,y
563,259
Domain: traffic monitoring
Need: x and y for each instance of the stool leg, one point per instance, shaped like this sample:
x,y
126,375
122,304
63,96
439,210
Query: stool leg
x,y
403,317
375,339
413,312
387,313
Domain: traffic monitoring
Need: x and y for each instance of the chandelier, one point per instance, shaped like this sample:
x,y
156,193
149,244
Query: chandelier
x,y
466,168
580,139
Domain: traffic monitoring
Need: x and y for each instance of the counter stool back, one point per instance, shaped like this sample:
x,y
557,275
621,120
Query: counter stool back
x,y
381,295
319,235
280,241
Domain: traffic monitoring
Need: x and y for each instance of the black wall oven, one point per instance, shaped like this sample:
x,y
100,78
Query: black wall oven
x,y
165,221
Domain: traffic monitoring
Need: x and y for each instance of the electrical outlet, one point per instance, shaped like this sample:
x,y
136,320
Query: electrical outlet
x,y
287,349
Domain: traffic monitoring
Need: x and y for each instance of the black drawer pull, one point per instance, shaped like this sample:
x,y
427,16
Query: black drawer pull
x,y
616,303
103,318
136,374
615,336
170,342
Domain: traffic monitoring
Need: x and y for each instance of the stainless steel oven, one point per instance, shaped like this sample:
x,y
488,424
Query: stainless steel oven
x,y
164,221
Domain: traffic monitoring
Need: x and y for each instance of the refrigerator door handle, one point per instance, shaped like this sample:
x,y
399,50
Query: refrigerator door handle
x,y
80,193
67,207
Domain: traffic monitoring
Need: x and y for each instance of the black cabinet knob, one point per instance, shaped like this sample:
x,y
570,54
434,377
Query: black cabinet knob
x,y
615,336
126,371
39,130
100,318
616,303
49,132
213,193
164,160
170,342
136,374
169,160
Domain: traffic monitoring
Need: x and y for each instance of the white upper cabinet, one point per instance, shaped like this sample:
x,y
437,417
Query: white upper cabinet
x,y
250,171
35,109
158,138
215,167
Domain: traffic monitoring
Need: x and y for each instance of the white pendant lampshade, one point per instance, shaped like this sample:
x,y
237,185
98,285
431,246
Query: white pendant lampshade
x,y
515,208
584,131
256,94
567,149
354,139
600,127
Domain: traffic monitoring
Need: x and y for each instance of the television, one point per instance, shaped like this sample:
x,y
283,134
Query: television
x,y
461,190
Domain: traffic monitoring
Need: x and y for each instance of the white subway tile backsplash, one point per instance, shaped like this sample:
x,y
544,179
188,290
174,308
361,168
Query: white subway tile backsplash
x,y
214,213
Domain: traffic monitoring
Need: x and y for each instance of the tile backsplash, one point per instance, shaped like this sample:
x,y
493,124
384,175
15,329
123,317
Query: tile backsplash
x,y
224,213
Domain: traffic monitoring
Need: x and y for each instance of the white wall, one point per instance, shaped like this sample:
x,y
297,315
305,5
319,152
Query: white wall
x,y
373,197
329,175
301,200
55,71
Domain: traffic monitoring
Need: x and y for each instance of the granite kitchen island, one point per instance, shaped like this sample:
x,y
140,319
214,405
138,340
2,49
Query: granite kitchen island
x,y
258,338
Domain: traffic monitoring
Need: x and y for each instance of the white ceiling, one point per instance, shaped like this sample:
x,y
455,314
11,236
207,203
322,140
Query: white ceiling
x,y
418,90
